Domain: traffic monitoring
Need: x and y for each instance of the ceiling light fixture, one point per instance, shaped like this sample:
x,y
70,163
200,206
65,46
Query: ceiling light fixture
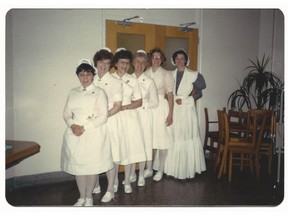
x,y
126,22
184,27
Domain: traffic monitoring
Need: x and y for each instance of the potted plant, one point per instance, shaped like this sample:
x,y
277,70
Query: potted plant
x,y
261,89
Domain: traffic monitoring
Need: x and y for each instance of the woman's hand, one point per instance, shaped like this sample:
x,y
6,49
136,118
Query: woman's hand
x,y
178,101
169,120
77,129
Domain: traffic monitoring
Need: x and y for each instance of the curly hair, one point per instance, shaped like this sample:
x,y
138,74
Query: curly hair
x,y
122,54
180,51
102,54
163,57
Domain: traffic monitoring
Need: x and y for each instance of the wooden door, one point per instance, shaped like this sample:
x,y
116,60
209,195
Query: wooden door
x,y
113,31
153,36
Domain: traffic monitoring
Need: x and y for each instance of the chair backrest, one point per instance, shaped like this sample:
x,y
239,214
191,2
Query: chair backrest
x,y
225,130
244,119
234,117
257,122
270,126
221,126
206,120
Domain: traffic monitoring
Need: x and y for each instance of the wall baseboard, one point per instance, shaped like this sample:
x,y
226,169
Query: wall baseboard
x,y
39,179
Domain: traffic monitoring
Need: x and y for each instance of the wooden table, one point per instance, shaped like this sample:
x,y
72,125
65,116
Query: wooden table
x,y
20,151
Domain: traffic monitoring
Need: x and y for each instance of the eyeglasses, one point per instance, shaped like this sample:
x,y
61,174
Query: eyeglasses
x,y
156,57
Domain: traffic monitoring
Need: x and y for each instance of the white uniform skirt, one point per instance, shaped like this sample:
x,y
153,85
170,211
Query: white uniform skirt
x,y
87,154
133,137
115,129
146,120
162,135
186,157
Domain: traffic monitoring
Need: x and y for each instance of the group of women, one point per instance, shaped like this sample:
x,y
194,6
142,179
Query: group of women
x,y
120,118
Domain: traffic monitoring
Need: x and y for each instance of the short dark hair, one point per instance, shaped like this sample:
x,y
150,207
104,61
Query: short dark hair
x,y
150,55
122,54
180,51
102,55
85,67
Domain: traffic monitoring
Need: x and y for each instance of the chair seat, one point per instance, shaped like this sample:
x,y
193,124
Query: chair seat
x,y
243,150
265,145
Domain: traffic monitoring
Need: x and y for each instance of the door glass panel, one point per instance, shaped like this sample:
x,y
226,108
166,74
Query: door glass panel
x,y
171,44
132,42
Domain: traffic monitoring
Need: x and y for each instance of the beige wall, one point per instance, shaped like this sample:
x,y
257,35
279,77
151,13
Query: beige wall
x,y
44,47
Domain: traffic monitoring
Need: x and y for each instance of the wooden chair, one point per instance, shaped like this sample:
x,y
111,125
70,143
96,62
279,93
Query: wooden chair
x,y
221,138
237,121
211,136
266,146
240,123
234,119
248,145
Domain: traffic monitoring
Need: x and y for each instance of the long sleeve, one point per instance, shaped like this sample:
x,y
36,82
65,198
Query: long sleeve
x,y
100,111
68,114
199,85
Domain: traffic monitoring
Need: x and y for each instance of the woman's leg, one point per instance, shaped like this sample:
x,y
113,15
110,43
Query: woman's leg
x,y
127,185
127,174
141,180
162,158
109,195
149,165
116,181
133,167
90,183
111,179
97,188
81,184
141,168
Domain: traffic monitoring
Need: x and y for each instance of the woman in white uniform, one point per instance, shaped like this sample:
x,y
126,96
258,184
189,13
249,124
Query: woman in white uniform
x,y
163,114
113,89
86,146
187,156
149,102
132,99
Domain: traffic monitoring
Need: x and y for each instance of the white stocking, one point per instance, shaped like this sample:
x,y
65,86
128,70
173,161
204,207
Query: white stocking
x,y
80,180
141,168
133,167
111,178
149,165
97,181
116,181
162,158
127,174
90,183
